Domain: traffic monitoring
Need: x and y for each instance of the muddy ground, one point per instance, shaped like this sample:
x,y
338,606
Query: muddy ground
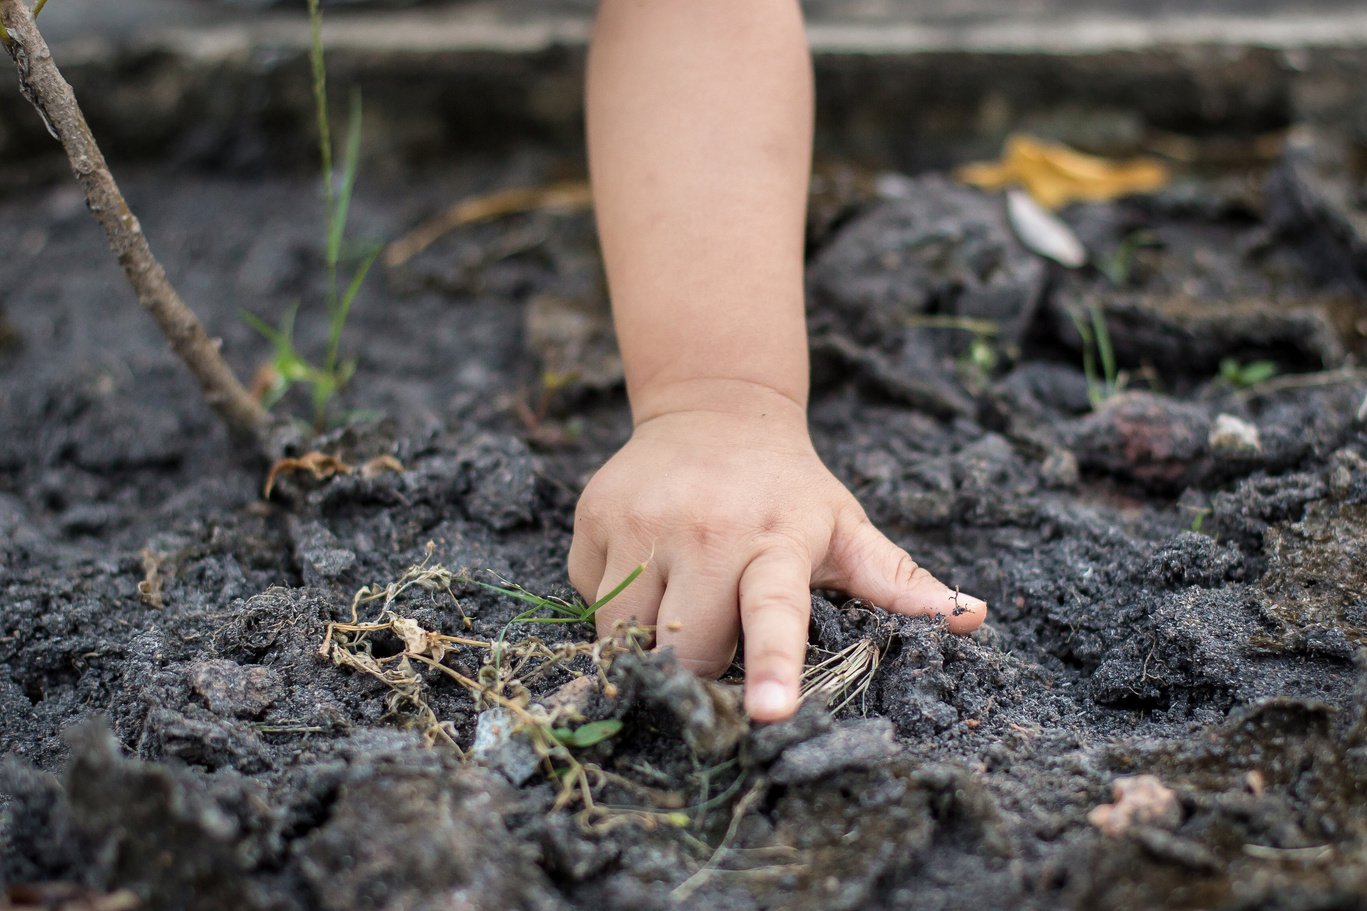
x,y
1177,575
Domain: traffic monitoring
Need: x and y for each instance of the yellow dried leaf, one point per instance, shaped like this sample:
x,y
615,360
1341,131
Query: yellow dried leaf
x,y
319,464
1055,175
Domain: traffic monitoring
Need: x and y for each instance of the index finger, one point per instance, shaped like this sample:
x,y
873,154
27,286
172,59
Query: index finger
x,y
775,604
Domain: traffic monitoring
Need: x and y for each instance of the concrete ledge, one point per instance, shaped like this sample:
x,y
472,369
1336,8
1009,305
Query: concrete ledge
x,y
473,78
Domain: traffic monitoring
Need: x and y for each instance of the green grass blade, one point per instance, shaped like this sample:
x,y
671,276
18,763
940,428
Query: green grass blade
x,y
538,602
1103,346
287,322
530,617
272,334
320,100
1094,394
563,612
343,309
323,391
337,216
38,7
621,587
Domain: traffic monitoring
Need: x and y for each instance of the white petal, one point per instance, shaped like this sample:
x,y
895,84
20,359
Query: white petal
x,y
1043,233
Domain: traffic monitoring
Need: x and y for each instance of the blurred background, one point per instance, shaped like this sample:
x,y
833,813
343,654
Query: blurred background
x,y
908,84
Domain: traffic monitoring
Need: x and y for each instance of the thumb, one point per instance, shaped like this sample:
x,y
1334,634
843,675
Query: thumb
x,y
865,564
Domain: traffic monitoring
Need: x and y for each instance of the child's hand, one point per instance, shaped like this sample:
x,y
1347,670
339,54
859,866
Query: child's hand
x,y
739,519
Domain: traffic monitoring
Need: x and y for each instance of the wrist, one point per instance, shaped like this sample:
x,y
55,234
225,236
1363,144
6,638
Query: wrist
x,y
722,396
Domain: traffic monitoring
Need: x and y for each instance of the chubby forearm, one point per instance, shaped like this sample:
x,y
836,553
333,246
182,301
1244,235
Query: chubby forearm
x,y
699,126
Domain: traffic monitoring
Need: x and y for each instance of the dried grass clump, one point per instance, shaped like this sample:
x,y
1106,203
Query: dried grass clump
x,y
502,681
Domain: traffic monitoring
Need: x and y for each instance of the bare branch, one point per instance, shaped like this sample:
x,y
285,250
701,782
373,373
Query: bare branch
x,y
42,84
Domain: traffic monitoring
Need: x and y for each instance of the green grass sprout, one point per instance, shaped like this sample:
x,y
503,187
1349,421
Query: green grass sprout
x,y
586,735
1242,375
291,368
1119,266
1198,519
1096,346
561,611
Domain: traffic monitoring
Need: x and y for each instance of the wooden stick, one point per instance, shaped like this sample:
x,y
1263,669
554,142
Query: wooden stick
x,y
42,84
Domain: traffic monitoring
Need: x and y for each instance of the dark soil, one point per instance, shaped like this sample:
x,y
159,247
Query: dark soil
x,y
1167,597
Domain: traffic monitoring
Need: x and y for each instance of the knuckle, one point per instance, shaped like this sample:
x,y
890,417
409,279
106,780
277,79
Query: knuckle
x,y
589,515
701,535
777,535
852,521
633,525
908,572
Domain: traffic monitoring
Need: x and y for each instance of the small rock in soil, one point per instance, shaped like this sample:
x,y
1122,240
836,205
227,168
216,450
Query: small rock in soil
x,y
853,745
176,838
319,555
1233,437
1188,645
915,372
1150,439
1139,800
499,474
501,745
234,690
1313,201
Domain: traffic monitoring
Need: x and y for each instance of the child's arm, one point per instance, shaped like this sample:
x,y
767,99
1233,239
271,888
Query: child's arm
x,y
700,124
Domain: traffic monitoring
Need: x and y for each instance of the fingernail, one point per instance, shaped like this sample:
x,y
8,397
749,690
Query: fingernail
x,y
768,700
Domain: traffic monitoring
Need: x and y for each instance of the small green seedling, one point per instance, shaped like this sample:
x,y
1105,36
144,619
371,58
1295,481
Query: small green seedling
x,y
587,735
561,611
291,368
981,355
1096,345
1242,375
1119,266
1198,519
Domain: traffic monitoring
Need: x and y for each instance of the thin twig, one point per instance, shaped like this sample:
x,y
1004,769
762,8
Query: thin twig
x,y
42,84
567,196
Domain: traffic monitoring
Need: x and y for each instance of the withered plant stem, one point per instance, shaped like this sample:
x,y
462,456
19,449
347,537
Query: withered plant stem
x,y
42,84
